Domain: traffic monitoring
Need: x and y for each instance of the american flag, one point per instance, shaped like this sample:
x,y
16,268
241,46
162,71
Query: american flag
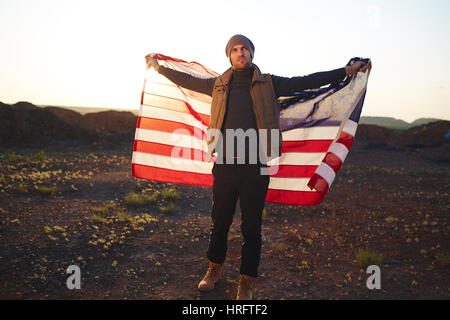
x,y
318,128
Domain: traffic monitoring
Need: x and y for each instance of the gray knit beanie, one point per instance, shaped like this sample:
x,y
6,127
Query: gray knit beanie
x,y
239,39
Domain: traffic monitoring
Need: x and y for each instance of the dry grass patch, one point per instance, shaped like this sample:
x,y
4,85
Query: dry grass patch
x,y
367,258
134,199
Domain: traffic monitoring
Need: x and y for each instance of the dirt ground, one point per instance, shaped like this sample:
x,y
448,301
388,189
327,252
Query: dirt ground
x,y
393,203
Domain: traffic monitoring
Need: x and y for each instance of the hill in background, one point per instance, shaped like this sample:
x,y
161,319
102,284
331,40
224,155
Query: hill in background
x,y
395,123
24,124
85,110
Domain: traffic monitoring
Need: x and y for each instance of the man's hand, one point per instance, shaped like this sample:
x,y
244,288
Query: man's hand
x,y
358,66
152,62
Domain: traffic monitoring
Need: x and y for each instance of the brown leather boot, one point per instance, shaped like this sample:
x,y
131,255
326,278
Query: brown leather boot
x,y
245,288
211,277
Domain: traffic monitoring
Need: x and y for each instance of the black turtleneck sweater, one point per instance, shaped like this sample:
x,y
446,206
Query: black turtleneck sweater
x,y
239,113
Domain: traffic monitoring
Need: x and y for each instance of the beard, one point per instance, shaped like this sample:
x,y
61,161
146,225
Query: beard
x,y
241,63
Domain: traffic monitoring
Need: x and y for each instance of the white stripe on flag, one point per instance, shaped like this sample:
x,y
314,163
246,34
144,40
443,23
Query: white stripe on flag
x,y
171,139
302,158
339,150
326,172
350,127
176,164
313,133
292,184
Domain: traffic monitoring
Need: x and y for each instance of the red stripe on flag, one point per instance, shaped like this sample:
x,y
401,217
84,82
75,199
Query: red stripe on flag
x,y
170,126
319,184
346,139
306,146
333,161
172,176
169,151
304,198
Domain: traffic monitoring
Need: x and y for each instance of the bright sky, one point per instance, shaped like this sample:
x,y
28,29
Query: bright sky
x,y
91,52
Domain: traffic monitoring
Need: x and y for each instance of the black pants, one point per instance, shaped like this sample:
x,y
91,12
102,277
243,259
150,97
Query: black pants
x,y
233,181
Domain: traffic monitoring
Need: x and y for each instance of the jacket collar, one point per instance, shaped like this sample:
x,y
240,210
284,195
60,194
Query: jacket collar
x,y
225,78
257,75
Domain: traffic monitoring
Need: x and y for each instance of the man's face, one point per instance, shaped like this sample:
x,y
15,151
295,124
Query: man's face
x,y
240,57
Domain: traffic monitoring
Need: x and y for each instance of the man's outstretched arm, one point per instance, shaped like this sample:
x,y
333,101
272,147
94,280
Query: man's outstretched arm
x,y
286,86
182,79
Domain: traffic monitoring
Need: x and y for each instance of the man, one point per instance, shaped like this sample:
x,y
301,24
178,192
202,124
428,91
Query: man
x,y
243,100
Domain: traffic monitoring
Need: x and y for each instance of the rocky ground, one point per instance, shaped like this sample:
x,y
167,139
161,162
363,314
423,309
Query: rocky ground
x,y
69,207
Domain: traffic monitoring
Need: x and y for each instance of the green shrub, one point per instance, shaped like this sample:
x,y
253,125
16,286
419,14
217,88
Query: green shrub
x,y
139,200
367,258
170,194
97,219
46,191
100,211
11,156
37,157
124,217
169,209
